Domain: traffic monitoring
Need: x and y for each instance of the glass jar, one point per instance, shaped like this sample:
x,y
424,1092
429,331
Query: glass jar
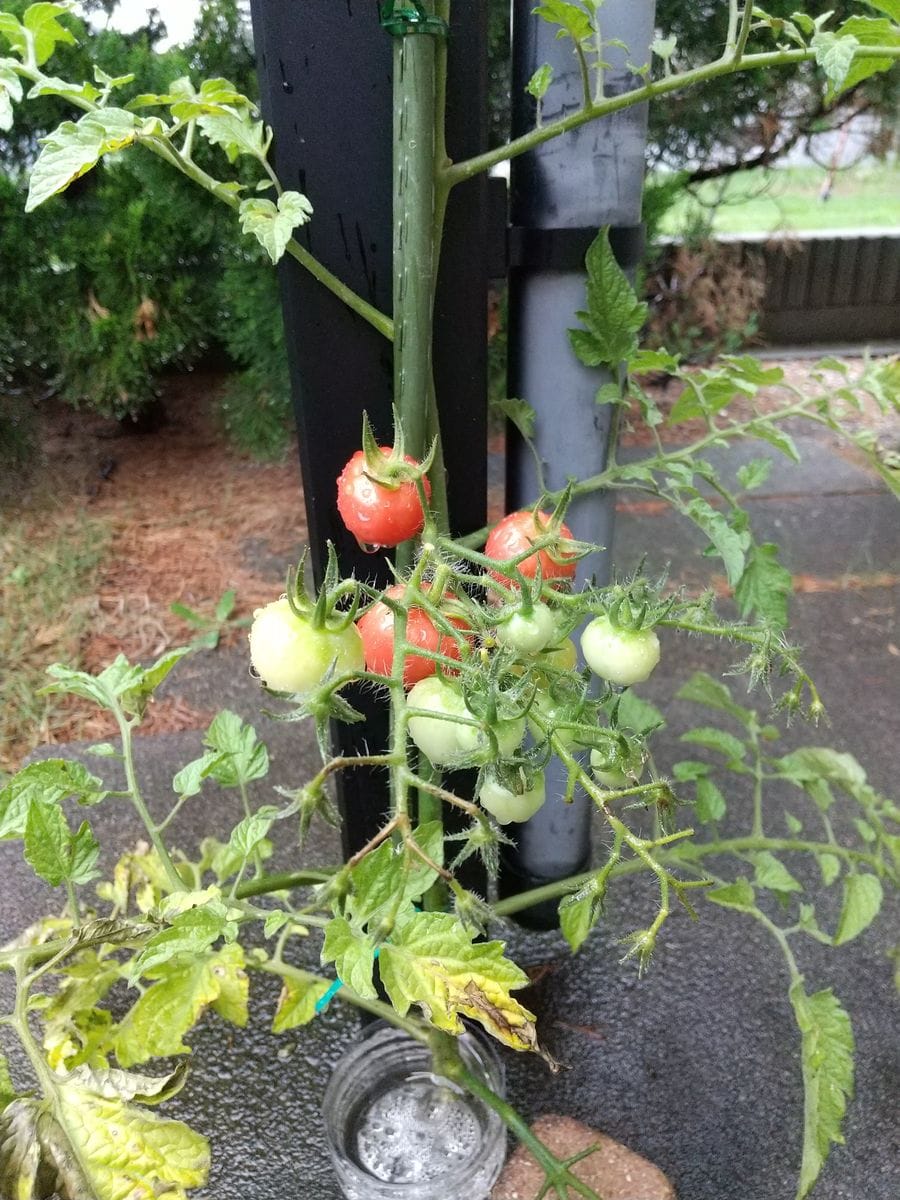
x,y
397,1131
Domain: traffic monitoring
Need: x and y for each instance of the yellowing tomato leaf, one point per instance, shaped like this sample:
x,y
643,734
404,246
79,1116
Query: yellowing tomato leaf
x,y
297,1003
353,955
74,148
432,962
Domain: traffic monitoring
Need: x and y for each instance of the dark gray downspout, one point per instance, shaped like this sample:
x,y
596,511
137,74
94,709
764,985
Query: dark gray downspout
x,y
560,195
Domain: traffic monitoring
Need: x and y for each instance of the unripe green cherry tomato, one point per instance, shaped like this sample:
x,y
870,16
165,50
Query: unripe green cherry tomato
x,y
615,777
476,744
289,655
528,634
438,737
375,514
505,805
620,656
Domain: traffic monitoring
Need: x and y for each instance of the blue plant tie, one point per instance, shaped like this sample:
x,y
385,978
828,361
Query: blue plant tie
x,y
324,1000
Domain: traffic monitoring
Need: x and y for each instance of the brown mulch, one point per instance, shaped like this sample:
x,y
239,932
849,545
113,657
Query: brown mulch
x,y
182,507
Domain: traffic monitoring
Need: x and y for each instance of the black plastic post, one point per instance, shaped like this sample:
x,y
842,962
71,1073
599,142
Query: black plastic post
x,y
325,82
560,195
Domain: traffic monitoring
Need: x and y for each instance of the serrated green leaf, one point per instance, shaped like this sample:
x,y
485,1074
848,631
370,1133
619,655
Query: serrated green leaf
x,y
862,903
765,587
51,86
353,955
48,782
573,21
834,54
830,866
646,361
46,843
432,962
729,544
579,912
664,48
74,148
47,33
519,412
637,714
739,894
710,804
11,29
84,851
868,31
190,932
237,134
297,1003
712,693
794,826
811,764
184,988
189,780
827,1049
754,473
251,831
775,437
733,749
242,757
614,314
273,226
771,873
392,877
540,81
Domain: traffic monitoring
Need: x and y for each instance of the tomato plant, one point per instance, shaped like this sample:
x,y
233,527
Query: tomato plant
x,y
171,936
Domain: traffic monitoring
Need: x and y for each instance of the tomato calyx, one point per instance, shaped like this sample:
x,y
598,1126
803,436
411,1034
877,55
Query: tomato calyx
x,y
391,466
328,610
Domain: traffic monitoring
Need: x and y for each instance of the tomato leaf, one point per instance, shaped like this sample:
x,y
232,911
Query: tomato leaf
x,y
614,314
868,31
353,954
827,1055
297,1003
580,912
240,757
765,586
432,962
573,21
771,873
47,782
74,148
726,744
236,133
183,989
712,693
392,877
729,544
7,1091
710,803
739,895
754,473
862,902
273,225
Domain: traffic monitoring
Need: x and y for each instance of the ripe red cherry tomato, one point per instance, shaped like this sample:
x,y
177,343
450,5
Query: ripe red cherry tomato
x,y
516,532
375,514
377,629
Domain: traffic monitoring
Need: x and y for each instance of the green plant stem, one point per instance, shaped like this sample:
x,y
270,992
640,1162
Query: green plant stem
x,y
449,1064
266,884
74,908
134,791
659,87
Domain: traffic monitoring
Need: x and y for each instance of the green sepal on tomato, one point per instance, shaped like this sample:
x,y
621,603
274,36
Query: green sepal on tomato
x,y
381,510
512,803
453,736
376,626
518,531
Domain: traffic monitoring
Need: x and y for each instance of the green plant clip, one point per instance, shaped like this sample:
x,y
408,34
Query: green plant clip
x,y
401,19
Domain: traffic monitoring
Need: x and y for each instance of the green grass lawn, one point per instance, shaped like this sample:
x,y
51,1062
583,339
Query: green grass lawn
x,y
788,199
